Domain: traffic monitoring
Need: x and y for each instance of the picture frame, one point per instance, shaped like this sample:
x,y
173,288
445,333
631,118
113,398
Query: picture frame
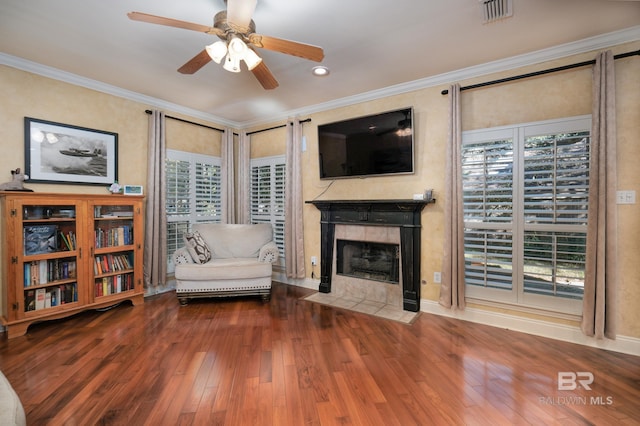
x,y
132,190
63,153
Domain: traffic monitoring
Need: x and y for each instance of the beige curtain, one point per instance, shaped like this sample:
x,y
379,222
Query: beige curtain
x,y
599,313
155,235
293,229
227,192
452,287
243,186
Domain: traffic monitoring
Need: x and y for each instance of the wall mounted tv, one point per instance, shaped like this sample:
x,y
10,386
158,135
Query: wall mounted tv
x,y
375,145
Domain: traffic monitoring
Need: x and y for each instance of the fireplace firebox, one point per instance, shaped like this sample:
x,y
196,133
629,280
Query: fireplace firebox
x,y
368,260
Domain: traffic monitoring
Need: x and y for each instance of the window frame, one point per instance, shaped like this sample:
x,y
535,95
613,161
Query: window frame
x,y
194,216
276,217
517,296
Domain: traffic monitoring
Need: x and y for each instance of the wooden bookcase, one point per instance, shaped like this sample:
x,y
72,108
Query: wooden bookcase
x,y
65,253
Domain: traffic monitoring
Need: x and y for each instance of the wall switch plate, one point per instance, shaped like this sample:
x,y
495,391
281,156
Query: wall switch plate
x,y
626,197
437,277
314,260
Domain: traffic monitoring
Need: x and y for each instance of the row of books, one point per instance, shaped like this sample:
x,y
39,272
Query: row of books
x,y
116,236
68,240
106,263
43,298
45,271
113,284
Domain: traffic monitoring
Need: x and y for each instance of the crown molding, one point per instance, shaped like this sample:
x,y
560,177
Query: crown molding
x,y
557,52
590,44
67,77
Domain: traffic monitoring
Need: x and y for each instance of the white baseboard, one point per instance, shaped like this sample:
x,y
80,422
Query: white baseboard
x,y
563,332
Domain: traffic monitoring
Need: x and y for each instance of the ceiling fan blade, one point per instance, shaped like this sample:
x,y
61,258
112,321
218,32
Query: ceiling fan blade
x,y
302,50
195,63
264,76
239,12
169,22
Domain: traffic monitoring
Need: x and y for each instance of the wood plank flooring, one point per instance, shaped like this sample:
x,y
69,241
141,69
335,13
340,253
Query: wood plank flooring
x,y
294,362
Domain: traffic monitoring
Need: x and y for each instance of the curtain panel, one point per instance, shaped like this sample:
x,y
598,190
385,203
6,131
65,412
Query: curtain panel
x,y
293,226
227,192
243,212
155,235
452,287
599,303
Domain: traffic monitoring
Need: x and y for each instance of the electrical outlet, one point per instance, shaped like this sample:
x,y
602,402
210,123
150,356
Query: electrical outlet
x,y
437,277
625,197
314,260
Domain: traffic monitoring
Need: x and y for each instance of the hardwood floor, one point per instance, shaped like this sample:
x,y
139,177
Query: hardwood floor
x,y
293,362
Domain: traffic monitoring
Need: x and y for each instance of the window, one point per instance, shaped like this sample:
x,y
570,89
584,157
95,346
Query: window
x,y
267,196
525,196
193,195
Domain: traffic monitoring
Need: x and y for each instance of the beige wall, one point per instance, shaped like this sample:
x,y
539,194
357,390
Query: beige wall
x,y
556,95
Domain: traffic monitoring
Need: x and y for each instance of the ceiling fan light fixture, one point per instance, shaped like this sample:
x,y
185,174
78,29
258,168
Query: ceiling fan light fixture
x,y
252,59
232,63
237,47
217,51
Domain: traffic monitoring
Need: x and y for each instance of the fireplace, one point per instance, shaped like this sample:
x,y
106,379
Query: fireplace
x,y
368,260
404,216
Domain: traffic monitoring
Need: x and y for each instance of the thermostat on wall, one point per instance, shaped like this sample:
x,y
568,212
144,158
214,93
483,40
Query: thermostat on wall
x,y
132,190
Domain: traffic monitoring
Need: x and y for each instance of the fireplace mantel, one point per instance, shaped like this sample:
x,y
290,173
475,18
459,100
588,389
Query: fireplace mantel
x,y
404,214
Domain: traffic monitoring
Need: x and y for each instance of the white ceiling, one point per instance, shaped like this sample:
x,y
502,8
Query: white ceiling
x,y
369,45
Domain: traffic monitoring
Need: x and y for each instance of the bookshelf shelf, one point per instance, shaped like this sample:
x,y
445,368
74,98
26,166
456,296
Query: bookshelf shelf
x,y
65,253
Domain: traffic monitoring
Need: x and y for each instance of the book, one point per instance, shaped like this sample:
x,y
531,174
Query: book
x,y
40,239
41,295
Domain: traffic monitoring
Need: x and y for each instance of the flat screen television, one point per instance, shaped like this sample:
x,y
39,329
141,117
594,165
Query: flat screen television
x,y
374,145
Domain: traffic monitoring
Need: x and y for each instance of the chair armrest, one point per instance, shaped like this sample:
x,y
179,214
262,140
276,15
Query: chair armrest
x,y
182,257
269,252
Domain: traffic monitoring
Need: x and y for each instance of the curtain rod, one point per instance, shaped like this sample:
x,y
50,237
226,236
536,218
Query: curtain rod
x,y
537,73
221,130
189,122
275,127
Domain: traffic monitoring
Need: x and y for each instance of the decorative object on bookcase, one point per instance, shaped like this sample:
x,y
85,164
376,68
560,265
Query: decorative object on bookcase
x,y
40,239
16,183
54,264
115,188
132,190
62,153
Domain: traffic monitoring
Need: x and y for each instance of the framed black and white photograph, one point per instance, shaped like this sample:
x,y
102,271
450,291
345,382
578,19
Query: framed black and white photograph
x,y
62,153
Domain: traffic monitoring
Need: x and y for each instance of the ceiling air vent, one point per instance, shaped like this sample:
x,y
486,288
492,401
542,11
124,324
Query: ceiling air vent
x,y
492,10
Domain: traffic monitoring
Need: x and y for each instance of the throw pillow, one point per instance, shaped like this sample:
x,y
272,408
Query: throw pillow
x,y
198,249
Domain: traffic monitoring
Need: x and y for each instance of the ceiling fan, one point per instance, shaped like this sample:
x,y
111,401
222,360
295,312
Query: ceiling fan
x,y
238,38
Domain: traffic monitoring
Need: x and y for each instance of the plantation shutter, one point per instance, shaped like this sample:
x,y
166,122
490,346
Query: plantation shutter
x,y
556,200
525,203
267,196
193,195
487,170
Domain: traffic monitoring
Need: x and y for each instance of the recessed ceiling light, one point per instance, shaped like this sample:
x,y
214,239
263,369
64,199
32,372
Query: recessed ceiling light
x,y
320,71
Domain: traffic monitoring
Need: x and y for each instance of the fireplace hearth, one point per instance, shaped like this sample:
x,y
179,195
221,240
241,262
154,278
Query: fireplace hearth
x,y
402,214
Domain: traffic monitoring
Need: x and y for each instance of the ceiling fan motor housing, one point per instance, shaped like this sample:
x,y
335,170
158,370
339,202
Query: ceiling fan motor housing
x,y
229,28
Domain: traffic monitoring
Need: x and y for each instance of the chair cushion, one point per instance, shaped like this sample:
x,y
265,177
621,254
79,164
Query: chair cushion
x,y
223,269
197,247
